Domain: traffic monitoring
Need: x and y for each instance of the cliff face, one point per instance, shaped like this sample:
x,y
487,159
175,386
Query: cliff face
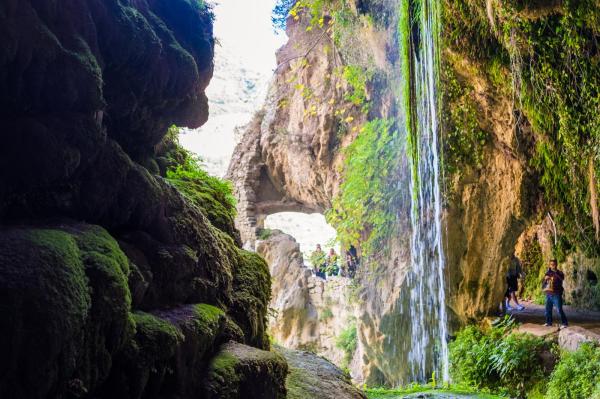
x,y
288,158
310,313
118,285
510,140
518,145
488,205
291,158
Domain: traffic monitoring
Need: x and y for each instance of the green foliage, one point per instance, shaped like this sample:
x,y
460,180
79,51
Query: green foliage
x,y
326,314
348,341
577,375
561,98
157,339
497,359
445,392
357,78
555,63
264,234
317,258
534,268
464,139
212,195
363,210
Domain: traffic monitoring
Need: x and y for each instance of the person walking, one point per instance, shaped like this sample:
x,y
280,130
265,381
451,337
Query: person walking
x,y
553,288
512,281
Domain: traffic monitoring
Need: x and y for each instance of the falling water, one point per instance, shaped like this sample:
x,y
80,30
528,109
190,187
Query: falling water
x,y
428,351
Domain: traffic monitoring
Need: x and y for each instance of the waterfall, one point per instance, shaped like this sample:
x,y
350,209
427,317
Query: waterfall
x,y
419,35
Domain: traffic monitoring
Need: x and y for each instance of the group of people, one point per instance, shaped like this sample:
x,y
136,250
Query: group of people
x,y
327,265
551,286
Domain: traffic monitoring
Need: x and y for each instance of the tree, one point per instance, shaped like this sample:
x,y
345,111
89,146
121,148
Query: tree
x,y
280,13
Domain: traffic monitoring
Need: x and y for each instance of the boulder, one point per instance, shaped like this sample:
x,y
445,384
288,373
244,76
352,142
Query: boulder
x,y
242,372
572,337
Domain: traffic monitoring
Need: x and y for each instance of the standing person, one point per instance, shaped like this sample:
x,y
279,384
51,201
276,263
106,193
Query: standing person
x,y
318,261
350,265
553,288
512,282
354,254
332,263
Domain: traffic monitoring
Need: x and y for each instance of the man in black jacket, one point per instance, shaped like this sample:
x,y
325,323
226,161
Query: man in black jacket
x,y
553,288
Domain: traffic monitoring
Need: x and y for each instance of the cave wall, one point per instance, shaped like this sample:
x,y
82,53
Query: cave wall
x,y
118,285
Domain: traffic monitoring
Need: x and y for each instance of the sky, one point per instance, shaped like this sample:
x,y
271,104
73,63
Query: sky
x,y
244,64
244,27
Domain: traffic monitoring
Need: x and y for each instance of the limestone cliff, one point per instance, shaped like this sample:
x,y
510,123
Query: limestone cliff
x,y
290,158
513,122
116,284
512,130
309,313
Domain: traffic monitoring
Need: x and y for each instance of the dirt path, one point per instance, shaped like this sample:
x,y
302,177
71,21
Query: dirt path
x,y
534,314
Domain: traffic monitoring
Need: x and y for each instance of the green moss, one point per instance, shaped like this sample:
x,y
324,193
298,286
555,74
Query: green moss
x,y
363,210
300,382
224,366
78,299
213,196
208,319
239,371
156,338
251,295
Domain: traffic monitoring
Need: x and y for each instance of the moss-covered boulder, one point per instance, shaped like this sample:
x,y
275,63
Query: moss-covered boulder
x,y
239,371
66,309
312,376
169,353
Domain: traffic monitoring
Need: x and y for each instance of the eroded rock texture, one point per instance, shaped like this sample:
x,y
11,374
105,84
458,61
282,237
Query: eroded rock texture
x,y
310,313
288,157
113,283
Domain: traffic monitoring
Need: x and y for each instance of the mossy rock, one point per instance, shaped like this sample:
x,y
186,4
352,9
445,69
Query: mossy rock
x,y
251,295
311,376
68,314
170,352
240,371
147,361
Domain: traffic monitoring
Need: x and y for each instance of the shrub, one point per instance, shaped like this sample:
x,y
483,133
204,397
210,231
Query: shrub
x,y
347,341
577,375
497,358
